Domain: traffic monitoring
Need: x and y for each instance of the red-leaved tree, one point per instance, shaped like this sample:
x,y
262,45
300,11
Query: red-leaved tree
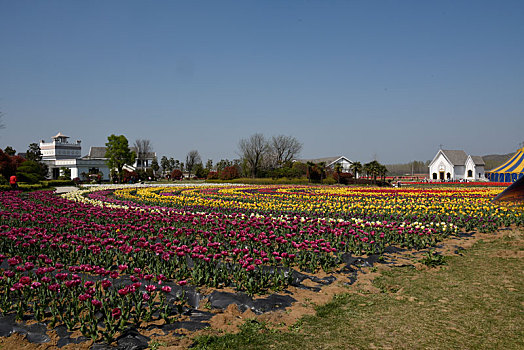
x,y
9,164
176,174
229,173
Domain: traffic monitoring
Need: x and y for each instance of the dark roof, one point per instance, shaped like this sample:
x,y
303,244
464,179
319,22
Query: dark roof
x,y
478,160
96,153
327,160
456,157
100,152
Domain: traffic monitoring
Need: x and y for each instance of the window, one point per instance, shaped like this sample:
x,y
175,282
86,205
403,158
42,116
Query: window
x,y
434,176
470,173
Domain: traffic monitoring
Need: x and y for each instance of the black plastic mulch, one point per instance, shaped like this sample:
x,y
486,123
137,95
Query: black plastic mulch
x,y
133,340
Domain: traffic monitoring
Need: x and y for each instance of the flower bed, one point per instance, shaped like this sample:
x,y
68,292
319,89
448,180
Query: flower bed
x,y
104,260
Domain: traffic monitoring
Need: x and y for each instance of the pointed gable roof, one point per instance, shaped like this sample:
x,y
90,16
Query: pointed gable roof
x,y
96,153
328,160
456,157
478,160
60,135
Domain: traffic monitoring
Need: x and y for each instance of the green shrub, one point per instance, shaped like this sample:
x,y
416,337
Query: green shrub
x,y
269,181
30,172
30,187
3,181
329,181
54,183
433,259
292,181
30,178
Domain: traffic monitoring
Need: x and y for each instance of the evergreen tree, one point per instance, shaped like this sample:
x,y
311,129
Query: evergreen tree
x,y
34,153
118,154
155,166
164,163
10,151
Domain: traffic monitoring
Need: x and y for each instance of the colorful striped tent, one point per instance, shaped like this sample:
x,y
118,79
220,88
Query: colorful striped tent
x,y
510,171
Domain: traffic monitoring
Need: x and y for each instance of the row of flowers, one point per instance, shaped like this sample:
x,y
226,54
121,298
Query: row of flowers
x,y
468,208
103,259
87,298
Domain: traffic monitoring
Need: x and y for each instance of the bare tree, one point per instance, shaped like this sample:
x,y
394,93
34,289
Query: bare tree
x,y
192,159
143,148
253,150
284,149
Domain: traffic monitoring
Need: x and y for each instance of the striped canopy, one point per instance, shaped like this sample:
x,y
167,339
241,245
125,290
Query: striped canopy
x,y
510,171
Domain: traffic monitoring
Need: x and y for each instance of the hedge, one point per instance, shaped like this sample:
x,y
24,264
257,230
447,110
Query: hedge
x,y
54,183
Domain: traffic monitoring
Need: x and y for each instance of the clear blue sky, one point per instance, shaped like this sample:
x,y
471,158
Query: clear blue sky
x,y
391,79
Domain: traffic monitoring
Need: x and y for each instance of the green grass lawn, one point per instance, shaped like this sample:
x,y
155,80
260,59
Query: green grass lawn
x,y
474,301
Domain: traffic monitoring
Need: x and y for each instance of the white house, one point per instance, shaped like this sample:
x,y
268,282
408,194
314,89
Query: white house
x,y
331,161
475,168
456,165
62,154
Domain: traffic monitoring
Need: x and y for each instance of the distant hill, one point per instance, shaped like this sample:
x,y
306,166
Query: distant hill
x,y
494,160
415,167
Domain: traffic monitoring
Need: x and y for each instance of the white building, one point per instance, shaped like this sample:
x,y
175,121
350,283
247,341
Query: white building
x,y
331,161
475,168
456,165
62,154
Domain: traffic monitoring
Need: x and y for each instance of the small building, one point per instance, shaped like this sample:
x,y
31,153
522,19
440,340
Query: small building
x,y
331,162
60,154
95,162
456,165
99,153
475,168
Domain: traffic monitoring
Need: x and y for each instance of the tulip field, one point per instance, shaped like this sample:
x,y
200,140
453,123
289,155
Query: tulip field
x,y
104,259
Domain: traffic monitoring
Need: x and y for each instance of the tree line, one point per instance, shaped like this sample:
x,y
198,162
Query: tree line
x,y
258,157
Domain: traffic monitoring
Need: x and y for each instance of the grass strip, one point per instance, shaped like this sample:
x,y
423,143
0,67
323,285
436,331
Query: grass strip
x,y
474,301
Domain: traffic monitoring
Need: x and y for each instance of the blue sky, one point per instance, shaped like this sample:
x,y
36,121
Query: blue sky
x,y
364,79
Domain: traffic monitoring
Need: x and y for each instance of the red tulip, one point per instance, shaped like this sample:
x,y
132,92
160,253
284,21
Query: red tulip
x,y
116,313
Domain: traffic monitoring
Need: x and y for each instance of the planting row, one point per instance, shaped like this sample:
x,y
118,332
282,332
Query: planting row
x,y
103,260
468,208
